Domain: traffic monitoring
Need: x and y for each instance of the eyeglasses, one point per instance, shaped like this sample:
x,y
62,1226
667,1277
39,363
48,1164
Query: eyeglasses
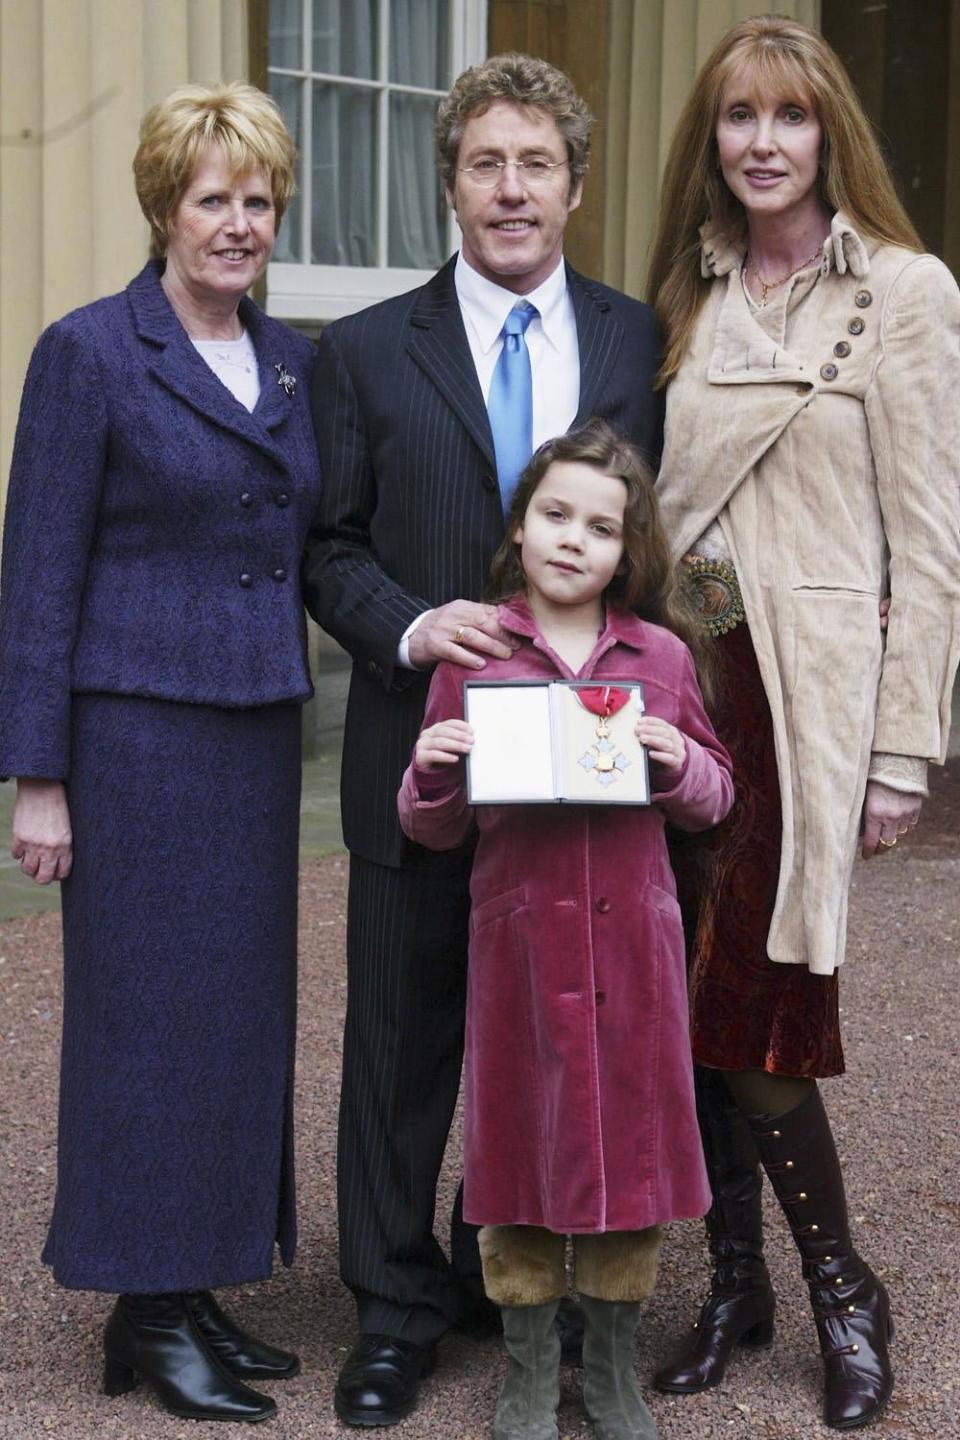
x,y
533,171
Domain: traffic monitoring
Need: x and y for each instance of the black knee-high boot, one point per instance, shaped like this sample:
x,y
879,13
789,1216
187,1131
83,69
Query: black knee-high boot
x,y
154,1337
850,1304
740,1307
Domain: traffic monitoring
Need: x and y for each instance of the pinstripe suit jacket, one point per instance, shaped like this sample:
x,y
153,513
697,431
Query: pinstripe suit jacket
x,y
410,514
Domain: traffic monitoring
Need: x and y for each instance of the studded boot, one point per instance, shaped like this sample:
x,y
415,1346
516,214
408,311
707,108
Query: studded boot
x,y
739,1309
850,1304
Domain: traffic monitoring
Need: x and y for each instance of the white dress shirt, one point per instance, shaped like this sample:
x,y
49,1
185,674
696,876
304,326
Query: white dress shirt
x,y
551,342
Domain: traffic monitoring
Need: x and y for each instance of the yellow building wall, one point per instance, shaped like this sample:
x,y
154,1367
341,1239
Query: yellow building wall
x,y
75,78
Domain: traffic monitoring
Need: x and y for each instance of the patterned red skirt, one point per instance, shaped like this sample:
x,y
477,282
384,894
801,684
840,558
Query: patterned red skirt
x,y
748,1013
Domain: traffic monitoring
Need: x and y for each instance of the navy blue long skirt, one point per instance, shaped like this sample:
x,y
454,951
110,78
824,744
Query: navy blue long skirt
x,y
175,1151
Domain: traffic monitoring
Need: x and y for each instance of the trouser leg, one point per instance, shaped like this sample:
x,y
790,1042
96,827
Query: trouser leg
x,y
403,1050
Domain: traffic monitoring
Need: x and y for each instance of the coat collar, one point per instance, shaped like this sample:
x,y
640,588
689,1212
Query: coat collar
x,y
621,627
743,352
437,341
843,250
180,367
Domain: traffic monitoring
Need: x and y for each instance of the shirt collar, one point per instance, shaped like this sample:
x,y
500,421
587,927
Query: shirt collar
x,y
488,305
622,626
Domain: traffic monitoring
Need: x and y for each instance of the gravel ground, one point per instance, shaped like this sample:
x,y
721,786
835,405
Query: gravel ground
x,y
896,1130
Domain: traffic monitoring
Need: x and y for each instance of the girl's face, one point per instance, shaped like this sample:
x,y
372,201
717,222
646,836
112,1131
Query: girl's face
x,y
571,537
769,150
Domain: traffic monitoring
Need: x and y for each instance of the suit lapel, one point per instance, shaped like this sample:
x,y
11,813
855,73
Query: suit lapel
x,y
599,337
182,370
437,342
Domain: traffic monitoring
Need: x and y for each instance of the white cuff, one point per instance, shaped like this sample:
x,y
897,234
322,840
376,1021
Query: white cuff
x,y
403,649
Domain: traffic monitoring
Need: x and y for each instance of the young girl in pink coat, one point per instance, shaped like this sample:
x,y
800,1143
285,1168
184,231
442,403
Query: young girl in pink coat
x,y
580,1116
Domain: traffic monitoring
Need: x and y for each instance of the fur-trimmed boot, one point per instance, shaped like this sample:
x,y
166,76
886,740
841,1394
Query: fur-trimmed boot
x,y
739,1309
524,1273
614,1273
850,1304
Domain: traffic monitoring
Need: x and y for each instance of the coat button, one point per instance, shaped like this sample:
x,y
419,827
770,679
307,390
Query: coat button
x,y
857,325
804,387
246,580
862,299
279,574
603,904
829,371
490,484
283,500
246,498
841,349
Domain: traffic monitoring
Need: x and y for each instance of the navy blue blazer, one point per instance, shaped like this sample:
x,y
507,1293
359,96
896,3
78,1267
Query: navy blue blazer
x,y
154,526
410,514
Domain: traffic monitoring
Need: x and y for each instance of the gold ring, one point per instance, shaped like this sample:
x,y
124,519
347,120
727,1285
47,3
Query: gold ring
x,y
458,635
887,844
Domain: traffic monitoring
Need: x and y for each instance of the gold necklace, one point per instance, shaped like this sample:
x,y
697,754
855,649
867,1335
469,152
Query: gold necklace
x,y
767,285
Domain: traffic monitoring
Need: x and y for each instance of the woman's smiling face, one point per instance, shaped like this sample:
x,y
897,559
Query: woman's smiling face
x,y
769,148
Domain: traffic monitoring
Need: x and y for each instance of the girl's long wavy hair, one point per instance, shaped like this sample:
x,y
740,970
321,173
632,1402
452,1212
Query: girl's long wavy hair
x,y
647,581
773,56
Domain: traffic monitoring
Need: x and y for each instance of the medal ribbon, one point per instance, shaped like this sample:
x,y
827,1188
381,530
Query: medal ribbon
x,y
602,700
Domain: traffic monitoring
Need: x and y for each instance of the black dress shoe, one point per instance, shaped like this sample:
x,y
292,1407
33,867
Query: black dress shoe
x,y
379,1381
240,1353
153,1337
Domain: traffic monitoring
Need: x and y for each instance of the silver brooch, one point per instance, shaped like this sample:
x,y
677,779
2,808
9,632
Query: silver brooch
x,y
284,378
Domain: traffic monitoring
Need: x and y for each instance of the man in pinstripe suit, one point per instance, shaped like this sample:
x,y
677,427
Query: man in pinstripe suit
x,y
395,566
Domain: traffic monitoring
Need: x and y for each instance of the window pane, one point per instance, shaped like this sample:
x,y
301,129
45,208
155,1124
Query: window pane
x,y
345,37
286,36
288,94
344,206
420,43
417,209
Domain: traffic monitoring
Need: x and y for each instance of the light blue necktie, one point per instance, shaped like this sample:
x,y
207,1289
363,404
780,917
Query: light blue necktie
x,y
510,402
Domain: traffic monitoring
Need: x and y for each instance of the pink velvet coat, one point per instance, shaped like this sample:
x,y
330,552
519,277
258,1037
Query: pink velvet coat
x,y
580,1113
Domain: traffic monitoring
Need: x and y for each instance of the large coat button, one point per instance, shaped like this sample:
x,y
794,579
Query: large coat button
x,y
603,905
841,349
862,299
829,371
279,574
283,499
857,325
246,498
246,579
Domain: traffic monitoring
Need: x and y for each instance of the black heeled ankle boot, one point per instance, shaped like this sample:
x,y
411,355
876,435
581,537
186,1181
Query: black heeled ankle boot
x,y
850,1304
153,1337
238,1352
740,1307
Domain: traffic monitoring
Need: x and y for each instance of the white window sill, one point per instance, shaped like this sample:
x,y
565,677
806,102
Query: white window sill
x,y
317,293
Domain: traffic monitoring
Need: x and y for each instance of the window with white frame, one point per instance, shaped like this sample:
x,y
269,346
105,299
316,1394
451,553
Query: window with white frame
x,y
358,82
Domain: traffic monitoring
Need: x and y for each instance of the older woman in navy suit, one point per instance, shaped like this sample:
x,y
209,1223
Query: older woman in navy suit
x,y
153,667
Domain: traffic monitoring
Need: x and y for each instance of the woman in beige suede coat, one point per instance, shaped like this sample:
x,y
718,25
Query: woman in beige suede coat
x,y
811,469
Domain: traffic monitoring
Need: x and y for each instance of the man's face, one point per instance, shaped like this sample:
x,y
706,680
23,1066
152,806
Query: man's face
x,y
513,232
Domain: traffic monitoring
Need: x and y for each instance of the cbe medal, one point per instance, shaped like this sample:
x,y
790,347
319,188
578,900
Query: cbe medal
x,y
603,759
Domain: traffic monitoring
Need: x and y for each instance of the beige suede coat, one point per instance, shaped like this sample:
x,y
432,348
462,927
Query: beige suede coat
x,y
829,451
